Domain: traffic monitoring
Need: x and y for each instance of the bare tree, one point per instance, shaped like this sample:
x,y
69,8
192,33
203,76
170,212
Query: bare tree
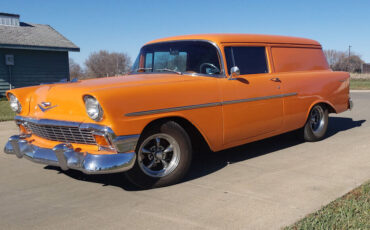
x,y
105,64
340,61
333,57
350,64
75,70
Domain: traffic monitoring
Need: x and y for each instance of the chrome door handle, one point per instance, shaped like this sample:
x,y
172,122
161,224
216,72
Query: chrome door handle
x,y
275,79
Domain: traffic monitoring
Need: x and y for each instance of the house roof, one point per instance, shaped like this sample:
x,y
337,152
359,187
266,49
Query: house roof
x,y
34,36
242,38
7,14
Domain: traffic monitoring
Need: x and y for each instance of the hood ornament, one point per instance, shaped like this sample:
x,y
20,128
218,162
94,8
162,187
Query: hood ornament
x,y
45,106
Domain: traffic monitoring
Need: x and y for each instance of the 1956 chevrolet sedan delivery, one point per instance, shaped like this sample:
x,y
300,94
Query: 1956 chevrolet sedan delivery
x,y
223,90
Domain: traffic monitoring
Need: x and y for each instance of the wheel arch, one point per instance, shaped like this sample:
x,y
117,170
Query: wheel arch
x,y
330,106
198,140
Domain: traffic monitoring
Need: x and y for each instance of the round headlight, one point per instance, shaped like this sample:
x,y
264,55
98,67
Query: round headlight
x,y
93,108
14,103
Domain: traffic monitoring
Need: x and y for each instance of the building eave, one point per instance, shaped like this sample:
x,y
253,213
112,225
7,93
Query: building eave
x,y
46,48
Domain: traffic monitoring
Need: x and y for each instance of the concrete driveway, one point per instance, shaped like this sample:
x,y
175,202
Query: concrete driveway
x,y
263,185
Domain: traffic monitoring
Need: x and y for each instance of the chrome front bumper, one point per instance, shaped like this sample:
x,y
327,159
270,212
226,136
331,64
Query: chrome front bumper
x,y
64,156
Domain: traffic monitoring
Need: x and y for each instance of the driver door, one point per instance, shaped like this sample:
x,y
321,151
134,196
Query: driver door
x,y
252,105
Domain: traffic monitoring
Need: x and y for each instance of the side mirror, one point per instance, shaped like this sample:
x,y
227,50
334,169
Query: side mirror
x,y
234,72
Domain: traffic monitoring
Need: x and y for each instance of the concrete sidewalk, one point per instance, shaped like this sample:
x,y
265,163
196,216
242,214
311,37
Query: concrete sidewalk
x,y
263,185
360,91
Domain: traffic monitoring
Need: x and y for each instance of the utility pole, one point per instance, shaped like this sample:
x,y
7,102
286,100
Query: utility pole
x,y
349,56
349,51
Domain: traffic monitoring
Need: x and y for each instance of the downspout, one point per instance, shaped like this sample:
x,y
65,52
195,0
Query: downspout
x,y
10,77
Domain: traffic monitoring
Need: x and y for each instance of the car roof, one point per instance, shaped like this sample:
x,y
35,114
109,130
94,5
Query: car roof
x,y
242,38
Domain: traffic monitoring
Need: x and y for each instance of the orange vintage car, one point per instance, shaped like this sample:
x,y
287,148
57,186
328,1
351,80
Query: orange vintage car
x,y
223,90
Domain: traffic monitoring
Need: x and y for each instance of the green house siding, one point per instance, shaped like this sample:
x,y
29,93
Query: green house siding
x,y
32,67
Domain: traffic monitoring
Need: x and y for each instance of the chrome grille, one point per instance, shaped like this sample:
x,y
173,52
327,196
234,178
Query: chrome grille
x,y
62,133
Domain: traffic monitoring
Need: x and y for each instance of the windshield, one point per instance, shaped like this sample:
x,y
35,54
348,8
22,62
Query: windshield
x,y
191,57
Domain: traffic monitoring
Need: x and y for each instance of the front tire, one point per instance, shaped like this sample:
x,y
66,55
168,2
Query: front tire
x,y
164,156
317,124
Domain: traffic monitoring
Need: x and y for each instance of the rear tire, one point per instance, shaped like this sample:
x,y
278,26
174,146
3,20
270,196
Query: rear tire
x,y
164,156
316,124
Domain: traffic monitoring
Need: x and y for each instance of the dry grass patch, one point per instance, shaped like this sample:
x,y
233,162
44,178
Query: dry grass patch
x,y
6,113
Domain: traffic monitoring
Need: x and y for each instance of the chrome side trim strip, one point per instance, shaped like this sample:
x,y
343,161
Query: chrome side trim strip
x,y
259,98
173,109
188,107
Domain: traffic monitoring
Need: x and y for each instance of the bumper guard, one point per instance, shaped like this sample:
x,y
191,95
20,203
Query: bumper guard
x,y
350,104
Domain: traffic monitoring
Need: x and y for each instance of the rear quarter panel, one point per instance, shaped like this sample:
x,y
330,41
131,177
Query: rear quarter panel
x,y
312,87
303,69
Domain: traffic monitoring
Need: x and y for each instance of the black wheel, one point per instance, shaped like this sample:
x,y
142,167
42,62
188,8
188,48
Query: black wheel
x,y
317,124
164,156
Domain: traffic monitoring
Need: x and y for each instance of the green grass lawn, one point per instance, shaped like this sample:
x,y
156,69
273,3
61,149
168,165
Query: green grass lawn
x,y
352,211
360,84
5,112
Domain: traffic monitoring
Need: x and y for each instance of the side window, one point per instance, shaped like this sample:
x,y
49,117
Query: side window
x,y
249,59
148,62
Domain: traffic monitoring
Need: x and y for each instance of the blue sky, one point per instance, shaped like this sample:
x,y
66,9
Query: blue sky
x,y
125,26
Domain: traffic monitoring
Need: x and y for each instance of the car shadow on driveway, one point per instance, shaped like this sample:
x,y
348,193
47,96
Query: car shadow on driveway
x,y
339,124
208,162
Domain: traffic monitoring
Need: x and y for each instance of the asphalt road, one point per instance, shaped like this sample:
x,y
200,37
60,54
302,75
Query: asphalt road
x,y
264,185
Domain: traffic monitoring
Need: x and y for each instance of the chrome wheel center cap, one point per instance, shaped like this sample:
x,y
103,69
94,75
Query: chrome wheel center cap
x,y
159,155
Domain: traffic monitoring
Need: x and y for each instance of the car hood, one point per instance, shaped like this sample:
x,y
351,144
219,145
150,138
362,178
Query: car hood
x,y
66,99
129,80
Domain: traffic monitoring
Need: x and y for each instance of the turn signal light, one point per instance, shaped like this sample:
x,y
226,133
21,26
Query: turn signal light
x,y
101,140
23,129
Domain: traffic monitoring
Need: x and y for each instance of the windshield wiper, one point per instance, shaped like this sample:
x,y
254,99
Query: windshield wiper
x,y
141,69
170,70
164,69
